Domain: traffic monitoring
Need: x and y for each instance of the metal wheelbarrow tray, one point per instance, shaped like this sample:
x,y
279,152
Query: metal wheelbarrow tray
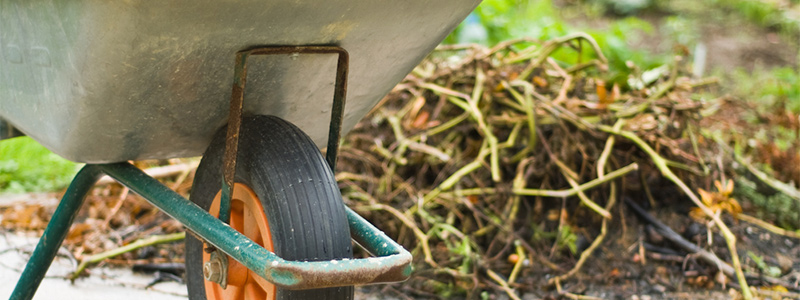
x,y
102,82
106,81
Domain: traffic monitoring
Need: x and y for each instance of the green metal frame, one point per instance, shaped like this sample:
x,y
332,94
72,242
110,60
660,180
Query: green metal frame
x,y
55,233
393,262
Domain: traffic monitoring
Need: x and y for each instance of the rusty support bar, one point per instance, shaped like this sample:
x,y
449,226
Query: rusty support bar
x,y
237,99
232,135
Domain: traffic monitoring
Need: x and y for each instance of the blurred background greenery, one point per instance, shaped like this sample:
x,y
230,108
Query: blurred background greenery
x,y
27,166
648,32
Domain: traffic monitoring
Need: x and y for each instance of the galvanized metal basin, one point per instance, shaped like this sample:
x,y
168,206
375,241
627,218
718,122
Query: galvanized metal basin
x,y
102,81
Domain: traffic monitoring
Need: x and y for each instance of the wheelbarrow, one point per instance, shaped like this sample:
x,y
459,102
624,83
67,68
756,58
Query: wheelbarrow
x,y
105,82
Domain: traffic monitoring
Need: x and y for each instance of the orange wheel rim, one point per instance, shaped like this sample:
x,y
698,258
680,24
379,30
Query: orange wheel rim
x,y
247,217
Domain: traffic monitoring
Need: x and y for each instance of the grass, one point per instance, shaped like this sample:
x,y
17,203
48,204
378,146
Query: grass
x,y
27,166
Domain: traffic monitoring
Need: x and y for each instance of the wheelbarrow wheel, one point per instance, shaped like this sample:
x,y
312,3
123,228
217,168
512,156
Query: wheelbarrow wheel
x,y
285,198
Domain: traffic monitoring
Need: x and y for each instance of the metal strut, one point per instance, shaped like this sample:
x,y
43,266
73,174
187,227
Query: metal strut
x,y
54,234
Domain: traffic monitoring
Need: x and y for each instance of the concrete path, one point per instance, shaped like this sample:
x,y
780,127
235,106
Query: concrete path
x,y
103,284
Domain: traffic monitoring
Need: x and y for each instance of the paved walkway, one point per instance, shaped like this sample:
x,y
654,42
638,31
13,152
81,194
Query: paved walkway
x,y
103,284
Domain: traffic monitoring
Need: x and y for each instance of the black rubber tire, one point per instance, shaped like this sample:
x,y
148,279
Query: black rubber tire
x,y
297,189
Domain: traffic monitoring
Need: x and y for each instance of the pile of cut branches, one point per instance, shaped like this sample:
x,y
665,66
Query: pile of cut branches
x,y
502,168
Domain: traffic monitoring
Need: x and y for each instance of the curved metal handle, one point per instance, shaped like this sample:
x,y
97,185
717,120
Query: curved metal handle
x,y
393,263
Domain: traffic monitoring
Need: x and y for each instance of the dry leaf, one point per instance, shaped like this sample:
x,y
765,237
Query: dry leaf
x,y
77,231
716,201
602,94
421,121
540,81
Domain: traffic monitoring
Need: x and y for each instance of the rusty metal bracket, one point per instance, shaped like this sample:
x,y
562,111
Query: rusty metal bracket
x,y
237,99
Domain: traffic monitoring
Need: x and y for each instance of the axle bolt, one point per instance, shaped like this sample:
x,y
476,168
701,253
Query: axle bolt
x,y
216,269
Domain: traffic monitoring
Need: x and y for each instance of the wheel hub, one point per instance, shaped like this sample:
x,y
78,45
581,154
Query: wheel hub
x,y
225,277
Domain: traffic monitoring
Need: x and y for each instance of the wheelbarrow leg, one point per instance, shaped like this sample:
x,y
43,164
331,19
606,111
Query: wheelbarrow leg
x,y
54,234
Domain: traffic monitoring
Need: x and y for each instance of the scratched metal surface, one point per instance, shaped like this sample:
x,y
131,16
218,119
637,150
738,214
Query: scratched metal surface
x,y
103,81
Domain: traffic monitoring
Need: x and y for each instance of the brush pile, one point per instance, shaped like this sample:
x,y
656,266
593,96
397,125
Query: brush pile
x,y
502,169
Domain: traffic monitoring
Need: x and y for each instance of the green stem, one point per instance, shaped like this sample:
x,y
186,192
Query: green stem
x,y
548,48
662,90
586,201
447,125
487,133
457,175
148,241
550,193
528,106
470,105
586,186
696,150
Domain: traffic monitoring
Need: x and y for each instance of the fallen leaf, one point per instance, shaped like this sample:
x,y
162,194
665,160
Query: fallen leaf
x,y
540,81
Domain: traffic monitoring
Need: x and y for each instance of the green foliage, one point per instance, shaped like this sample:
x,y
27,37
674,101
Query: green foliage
x,y
773,91
778,86
772,271
464,249
443,290
509,19
616,44
769,14
567,239
26,166
626,7
769,204
564,238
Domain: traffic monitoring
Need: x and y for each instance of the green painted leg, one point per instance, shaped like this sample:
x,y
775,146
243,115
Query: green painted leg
x,y
55,233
